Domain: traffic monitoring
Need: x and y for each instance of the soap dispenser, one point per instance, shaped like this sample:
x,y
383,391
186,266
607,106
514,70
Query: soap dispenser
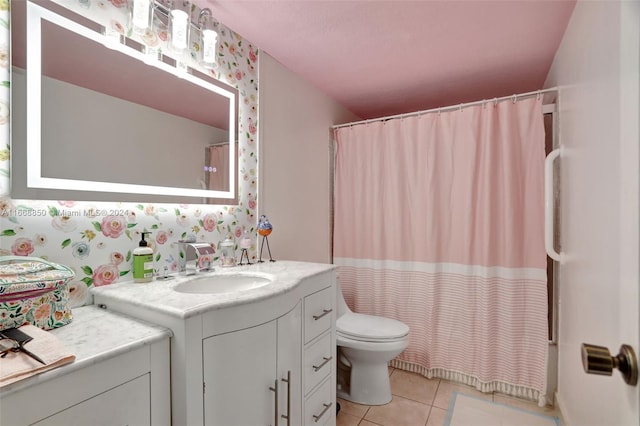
x,y
143,262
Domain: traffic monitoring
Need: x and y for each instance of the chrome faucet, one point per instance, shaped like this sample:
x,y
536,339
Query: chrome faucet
x,y
195,257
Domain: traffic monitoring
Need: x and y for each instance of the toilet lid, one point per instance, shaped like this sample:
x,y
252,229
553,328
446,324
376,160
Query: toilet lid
x,y
370,328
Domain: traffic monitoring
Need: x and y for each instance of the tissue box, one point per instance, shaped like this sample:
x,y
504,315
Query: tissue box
x,y
33,291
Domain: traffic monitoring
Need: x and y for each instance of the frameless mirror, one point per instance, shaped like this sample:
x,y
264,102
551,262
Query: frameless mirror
x,y
98,123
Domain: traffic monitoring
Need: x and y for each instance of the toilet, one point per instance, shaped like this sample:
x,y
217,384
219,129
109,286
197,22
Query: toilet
x,y
366,344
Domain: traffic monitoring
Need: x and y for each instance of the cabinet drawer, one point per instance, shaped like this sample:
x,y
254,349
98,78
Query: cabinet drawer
x,y
319,409
127,404
318,362
318,313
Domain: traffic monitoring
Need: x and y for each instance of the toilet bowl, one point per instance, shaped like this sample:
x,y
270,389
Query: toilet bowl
x,y
366,344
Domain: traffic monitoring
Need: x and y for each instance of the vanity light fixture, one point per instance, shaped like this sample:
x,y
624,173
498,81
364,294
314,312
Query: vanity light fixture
x,y
209,34
177,15
179,23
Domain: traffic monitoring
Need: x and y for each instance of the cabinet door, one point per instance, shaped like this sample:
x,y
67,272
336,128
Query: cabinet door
x,y
127,404
239,368
290,367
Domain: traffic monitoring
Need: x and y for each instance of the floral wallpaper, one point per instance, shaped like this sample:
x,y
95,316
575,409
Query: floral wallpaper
x,y
97,239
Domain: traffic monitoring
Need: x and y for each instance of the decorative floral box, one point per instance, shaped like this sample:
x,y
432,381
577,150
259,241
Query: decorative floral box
x,y
33,291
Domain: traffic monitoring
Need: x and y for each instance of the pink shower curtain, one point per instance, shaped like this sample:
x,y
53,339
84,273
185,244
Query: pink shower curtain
x,y
439,224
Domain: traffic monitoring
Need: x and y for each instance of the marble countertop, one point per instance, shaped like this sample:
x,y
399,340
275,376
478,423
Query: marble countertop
x,y
95,335
160,296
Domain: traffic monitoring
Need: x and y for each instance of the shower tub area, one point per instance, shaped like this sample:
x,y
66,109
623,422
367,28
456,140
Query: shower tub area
x,y
439,222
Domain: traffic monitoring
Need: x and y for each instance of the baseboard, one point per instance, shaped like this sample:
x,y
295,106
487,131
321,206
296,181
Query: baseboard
x,y
561,412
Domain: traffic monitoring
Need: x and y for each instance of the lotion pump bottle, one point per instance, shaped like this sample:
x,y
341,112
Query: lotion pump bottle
x,y
142,262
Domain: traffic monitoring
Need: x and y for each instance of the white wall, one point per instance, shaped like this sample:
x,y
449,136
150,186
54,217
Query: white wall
x,y
294,172
597,70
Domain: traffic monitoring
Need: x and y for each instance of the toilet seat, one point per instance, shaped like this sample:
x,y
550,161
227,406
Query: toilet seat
x,y
370,328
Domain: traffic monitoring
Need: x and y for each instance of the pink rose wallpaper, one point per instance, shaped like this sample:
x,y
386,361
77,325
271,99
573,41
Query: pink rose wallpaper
x,y
22,247
112,226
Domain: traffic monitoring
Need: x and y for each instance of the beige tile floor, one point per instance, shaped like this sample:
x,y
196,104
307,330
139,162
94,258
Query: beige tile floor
x,y
418,401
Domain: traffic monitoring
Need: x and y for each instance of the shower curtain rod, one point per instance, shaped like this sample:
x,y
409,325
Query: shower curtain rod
x,y
514,98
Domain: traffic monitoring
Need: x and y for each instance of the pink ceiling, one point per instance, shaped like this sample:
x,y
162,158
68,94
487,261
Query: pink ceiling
x,y
380,58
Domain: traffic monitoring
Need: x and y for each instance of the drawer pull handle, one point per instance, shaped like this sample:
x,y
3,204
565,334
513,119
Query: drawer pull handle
x,y
324,312
326,407
318,367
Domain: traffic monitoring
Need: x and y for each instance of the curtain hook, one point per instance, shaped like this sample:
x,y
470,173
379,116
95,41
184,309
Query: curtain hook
x,y
484,104
495,102
460,108
439,111
514,98
538,97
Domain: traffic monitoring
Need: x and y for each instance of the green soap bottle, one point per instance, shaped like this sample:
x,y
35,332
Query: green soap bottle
x,y
143,262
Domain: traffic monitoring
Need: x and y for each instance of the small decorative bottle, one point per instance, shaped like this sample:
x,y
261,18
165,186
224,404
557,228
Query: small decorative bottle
x,y
228,257
245,245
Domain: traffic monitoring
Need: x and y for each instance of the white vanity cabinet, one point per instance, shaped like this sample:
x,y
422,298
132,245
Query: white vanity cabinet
x,y
290,360
272,362
114,392
126,404
120,377
247,372
265,357
319,358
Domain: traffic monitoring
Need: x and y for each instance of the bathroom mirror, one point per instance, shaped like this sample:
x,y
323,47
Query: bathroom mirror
x,y
100,120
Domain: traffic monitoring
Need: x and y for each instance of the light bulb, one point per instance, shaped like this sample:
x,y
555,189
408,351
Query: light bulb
x,y
180,29
209,43
141,15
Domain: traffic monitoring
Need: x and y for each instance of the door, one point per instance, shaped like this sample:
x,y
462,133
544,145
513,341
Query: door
x,y
239,370
290,367
596,68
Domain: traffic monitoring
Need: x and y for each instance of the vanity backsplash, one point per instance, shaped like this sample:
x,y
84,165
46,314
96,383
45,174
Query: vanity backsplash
x,y
96,239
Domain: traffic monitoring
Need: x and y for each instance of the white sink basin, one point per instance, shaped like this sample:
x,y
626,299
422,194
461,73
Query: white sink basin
x,y
214,284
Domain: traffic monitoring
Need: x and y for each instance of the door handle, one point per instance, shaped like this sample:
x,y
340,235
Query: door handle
x,y
288,382
274,389
598,360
